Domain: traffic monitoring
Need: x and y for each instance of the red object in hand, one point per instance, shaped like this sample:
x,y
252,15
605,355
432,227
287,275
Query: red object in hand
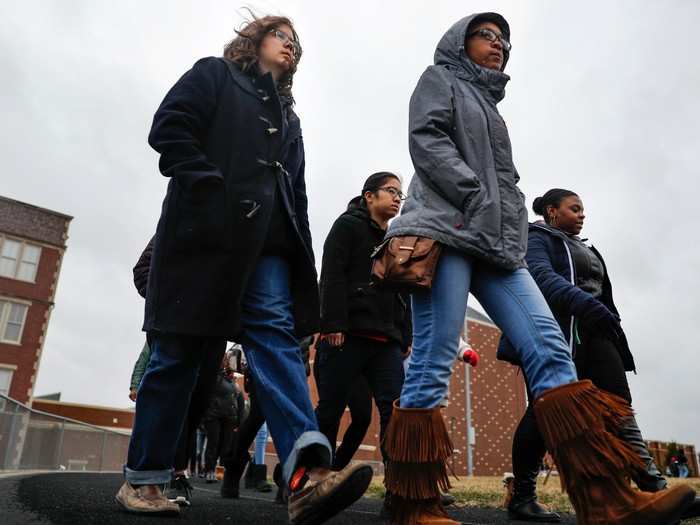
x,y
470,357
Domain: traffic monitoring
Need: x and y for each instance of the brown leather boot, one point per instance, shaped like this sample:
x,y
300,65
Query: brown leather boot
x,y
417,446
579,424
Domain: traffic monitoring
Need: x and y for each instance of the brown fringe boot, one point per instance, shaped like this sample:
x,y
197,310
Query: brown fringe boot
x,y
578,423
417,445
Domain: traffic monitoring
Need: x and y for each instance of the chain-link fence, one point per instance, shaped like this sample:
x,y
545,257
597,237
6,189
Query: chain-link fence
x,y
30,439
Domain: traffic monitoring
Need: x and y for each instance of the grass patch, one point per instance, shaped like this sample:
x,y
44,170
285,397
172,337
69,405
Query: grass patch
x,y
489,492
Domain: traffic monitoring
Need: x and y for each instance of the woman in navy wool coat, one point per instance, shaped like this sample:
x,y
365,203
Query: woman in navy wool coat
x,y
232,259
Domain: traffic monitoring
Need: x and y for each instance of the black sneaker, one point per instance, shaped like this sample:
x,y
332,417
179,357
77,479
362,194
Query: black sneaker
x,y
180,491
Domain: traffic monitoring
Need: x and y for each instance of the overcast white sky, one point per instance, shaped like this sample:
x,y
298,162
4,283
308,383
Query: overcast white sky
x,y
603,100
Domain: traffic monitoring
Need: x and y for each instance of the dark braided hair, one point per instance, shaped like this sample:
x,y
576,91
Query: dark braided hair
x,y
552,198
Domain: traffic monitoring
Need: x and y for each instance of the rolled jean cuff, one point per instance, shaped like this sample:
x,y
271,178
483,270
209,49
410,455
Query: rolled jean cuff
x,y
311,439
148,477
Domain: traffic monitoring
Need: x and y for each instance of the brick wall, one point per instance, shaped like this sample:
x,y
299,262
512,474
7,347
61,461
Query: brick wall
x,y
32,222
49,230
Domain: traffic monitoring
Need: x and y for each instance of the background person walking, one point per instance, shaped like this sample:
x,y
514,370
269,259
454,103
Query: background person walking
x,y
575,282
364,331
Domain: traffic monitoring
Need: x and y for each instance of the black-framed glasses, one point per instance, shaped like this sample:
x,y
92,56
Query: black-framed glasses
x,y
491,36
286,40
393,192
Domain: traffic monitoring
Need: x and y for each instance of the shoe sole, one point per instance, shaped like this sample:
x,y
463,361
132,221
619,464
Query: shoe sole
x,y
345,494
146,512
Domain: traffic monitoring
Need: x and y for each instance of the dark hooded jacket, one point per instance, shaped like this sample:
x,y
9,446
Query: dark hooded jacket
x,y
349,304
234,153
465,192
551,264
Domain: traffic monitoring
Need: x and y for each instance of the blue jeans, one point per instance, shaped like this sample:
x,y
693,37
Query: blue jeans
x,y
512,300
261,445
163,401
274,360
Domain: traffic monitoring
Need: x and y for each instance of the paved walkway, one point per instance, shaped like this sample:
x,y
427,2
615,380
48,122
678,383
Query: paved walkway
x,y
78,499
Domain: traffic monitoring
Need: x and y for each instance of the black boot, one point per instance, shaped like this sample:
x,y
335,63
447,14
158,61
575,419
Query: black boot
x,y
528,451
249,479
233,470
282,495
261,484
651,480
385,511
523,504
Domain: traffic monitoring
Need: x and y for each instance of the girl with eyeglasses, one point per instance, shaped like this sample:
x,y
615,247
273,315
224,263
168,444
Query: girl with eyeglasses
x,y
233,260
464,195
365,332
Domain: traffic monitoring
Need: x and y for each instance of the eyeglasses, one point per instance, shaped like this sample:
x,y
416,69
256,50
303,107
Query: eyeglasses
x,y
491,36
393,192
286,40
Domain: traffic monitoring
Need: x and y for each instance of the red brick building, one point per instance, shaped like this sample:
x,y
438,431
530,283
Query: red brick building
x,y
32,243
110,418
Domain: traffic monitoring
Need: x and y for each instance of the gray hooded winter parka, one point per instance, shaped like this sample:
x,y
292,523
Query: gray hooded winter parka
x,y
464,193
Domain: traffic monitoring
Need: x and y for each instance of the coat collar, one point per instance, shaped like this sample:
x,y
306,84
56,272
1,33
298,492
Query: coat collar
x,y
263,88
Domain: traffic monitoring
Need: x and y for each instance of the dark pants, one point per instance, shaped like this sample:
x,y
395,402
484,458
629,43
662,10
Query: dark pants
x,y
220,434
187,443
380,364
360,406
596,359
163,401
239,457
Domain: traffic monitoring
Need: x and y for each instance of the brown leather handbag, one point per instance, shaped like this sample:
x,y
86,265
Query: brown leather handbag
x,y
406,263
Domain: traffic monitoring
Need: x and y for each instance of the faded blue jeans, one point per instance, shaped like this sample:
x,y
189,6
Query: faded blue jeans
x,y
260,445
274,360
512,300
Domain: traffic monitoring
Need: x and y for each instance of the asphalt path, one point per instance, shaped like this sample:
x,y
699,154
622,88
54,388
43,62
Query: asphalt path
x,y
86,498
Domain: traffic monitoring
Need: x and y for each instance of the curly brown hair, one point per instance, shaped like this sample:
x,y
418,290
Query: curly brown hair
x,y
244,48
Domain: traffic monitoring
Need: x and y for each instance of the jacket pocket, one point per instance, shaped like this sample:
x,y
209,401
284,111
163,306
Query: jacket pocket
x,y
202,218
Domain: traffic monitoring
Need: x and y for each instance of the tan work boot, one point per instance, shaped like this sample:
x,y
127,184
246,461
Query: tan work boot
x,y
417,446
580,424
318,498
146,499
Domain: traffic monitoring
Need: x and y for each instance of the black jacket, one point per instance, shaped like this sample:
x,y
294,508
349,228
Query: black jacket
x,y
551,265
229,151
348,303
226,401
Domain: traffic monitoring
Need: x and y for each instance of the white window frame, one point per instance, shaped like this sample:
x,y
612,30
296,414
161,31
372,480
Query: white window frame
x,y
11,369
20,258
4,316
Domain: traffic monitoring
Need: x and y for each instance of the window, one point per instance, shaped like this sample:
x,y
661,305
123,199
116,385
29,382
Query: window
x,y
5,381
12,317
18,260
